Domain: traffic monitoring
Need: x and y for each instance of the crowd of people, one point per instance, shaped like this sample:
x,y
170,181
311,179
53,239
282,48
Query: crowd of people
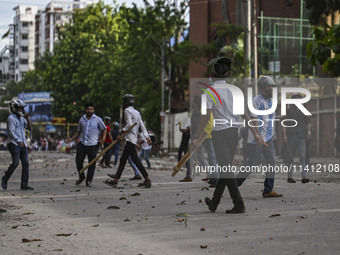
x,y
210,144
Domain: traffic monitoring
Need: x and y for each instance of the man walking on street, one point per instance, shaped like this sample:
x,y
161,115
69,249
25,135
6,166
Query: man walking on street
x,y
131,116
296,138
254,153
17,122
224,137
90,128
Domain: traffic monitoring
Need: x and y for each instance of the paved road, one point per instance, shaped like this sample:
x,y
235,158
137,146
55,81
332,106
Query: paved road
x,y
69,219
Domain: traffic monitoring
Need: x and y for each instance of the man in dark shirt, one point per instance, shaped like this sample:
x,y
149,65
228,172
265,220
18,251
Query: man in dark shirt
x,y
296,138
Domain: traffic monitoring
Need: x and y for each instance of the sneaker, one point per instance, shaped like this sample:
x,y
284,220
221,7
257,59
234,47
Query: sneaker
x,y
111,176
305,180
272,194
111,183
80,180
136,177
291,180
205,179
186,179
26,188
88,184
3,183
108,166
101,165
211,205
145,184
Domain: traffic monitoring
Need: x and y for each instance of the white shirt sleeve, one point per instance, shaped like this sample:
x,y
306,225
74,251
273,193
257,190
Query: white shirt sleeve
x,y
143,129
128,119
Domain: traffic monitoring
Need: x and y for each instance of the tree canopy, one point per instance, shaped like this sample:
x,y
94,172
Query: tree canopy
x,y
104,52
325,49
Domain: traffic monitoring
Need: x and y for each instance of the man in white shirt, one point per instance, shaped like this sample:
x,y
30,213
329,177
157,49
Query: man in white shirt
x,y
224,137
132,116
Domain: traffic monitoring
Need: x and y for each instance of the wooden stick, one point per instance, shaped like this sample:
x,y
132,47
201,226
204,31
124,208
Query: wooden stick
x,y
188,155
120,137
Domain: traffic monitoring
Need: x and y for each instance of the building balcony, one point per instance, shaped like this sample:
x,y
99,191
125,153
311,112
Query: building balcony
x,y
24,55
23,68
24,43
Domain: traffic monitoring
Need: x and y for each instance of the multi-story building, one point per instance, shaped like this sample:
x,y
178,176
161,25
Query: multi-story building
x,y
24,39
7,59
55,14
283,31
35,31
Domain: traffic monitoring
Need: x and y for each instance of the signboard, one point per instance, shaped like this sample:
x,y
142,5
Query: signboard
x,y
34,96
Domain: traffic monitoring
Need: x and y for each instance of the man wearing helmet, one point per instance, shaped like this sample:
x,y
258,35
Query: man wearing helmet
x,y
263,101
131,116
17,122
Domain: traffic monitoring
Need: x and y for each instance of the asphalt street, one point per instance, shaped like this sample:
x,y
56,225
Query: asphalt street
x,y
169,218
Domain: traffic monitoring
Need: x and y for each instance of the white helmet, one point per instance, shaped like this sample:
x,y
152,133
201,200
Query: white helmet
x,y
17,107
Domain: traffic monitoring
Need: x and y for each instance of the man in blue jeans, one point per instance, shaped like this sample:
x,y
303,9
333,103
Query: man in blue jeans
x,y
17,122
263,101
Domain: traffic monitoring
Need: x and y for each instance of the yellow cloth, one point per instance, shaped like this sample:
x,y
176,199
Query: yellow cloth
x,y
208,128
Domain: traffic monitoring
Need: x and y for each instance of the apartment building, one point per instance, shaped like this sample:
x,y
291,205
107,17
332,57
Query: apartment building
x,y
35,31
24,31
55,14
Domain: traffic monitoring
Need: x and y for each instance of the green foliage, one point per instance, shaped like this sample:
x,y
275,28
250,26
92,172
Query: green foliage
x,y
236,52
318,10
105,52
326,49
228,41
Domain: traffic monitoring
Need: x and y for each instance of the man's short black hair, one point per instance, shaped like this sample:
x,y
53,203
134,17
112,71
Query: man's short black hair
x,y
89,104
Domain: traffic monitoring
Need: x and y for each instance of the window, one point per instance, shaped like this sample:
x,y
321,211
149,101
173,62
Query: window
x,y
25,24
24,49
24,61
24,37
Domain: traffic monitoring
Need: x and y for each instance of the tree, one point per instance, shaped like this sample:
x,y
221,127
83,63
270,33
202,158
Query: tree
x,y
105,52
326,47
319,11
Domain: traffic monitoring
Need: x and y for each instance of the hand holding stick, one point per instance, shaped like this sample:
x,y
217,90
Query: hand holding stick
x,y
119,138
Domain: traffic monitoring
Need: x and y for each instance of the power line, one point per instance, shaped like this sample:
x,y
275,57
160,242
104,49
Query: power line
x,y
18,3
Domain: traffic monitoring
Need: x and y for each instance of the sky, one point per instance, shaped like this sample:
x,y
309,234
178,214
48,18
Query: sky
x,y
7,13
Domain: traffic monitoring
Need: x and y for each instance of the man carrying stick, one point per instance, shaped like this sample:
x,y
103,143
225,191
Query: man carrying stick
x,y
225,138
90,128
262,102
131,116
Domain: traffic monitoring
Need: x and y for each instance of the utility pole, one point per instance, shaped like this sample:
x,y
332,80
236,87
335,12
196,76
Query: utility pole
x,y
255,46
162,113
248,41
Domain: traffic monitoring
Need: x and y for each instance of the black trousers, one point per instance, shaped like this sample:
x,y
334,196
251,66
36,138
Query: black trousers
x,y
225,145
130,150
91,153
